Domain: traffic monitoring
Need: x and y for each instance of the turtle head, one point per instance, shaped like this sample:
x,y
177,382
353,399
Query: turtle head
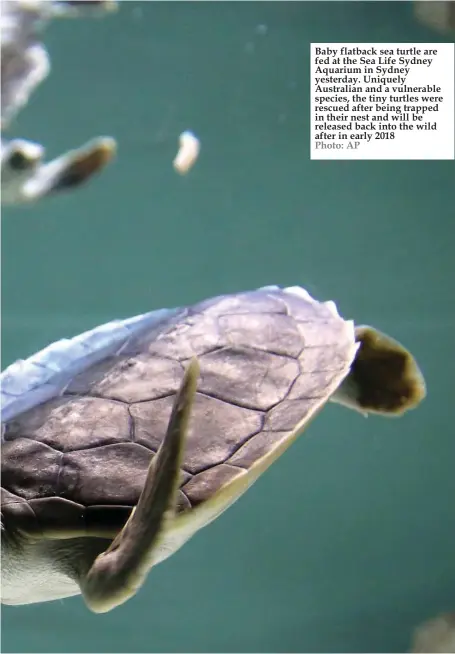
x,y
384,376
19,161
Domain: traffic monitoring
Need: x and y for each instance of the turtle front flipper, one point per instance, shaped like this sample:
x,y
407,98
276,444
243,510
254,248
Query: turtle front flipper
x,y
118,572
384,377
64,173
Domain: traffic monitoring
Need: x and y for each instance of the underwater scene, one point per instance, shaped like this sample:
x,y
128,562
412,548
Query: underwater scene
x,y
227,367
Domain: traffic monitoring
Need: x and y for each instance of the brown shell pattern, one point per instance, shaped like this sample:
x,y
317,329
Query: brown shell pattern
x,y
265,359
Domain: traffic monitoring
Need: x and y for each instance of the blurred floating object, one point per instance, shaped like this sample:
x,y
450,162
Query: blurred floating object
x,y
188,152
436,635
261,29
25,64
439,14
137,13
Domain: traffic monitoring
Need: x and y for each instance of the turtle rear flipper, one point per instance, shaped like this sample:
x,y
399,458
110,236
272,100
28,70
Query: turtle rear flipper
x,y
119,571
384,376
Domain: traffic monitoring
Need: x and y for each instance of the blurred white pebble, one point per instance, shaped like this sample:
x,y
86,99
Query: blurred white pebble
x,y
437,635
188,152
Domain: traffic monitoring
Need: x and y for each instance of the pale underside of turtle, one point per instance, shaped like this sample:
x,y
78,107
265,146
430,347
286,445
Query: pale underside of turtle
x,y
96,425
25,176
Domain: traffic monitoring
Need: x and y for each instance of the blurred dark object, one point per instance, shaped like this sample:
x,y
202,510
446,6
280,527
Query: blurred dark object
x,y
438,14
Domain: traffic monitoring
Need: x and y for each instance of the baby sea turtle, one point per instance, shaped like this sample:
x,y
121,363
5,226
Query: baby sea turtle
x,y
25,177
102,475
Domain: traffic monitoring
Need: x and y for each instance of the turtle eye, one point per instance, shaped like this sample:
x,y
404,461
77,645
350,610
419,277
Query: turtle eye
x,y
19,161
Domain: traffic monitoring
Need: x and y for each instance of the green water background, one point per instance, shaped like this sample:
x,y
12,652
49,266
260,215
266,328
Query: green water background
x,y
348,541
